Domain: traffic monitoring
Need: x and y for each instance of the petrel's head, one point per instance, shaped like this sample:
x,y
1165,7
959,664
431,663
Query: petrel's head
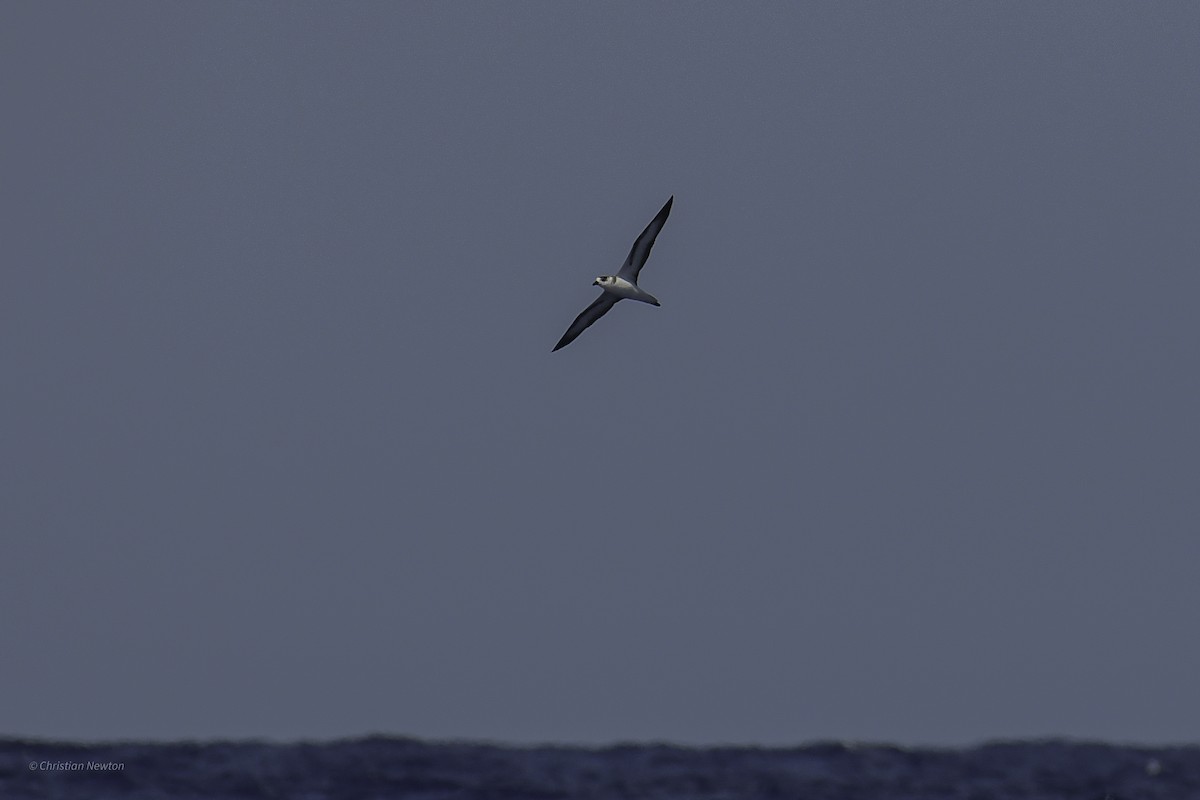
x,y
603,280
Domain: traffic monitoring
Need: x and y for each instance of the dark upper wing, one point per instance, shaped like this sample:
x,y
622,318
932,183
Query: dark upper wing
x,y
595,311
641,247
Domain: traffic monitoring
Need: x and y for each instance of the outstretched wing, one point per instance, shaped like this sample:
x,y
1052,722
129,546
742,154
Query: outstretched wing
x,y
595,311
641,247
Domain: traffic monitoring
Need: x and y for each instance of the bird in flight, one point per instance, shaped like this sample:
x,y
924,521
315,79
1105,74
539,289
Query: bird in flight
x,y
623,284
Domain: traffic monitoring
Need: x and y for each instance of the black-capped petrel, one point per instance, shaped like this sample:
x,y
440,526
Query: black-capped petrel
x,y
623,284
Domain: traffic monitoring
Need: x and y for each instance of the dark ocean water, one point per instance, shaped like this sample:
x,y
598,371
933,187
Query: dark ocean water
x,y
383,767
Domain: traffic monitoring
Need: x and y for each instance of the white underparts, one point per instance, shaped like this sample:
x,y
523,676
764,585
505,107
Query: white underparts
x,y
623,288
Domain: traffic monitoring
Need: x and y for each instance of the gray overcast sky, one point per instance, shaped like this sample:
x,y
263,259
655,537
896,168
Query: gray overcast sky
x,y
910,452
